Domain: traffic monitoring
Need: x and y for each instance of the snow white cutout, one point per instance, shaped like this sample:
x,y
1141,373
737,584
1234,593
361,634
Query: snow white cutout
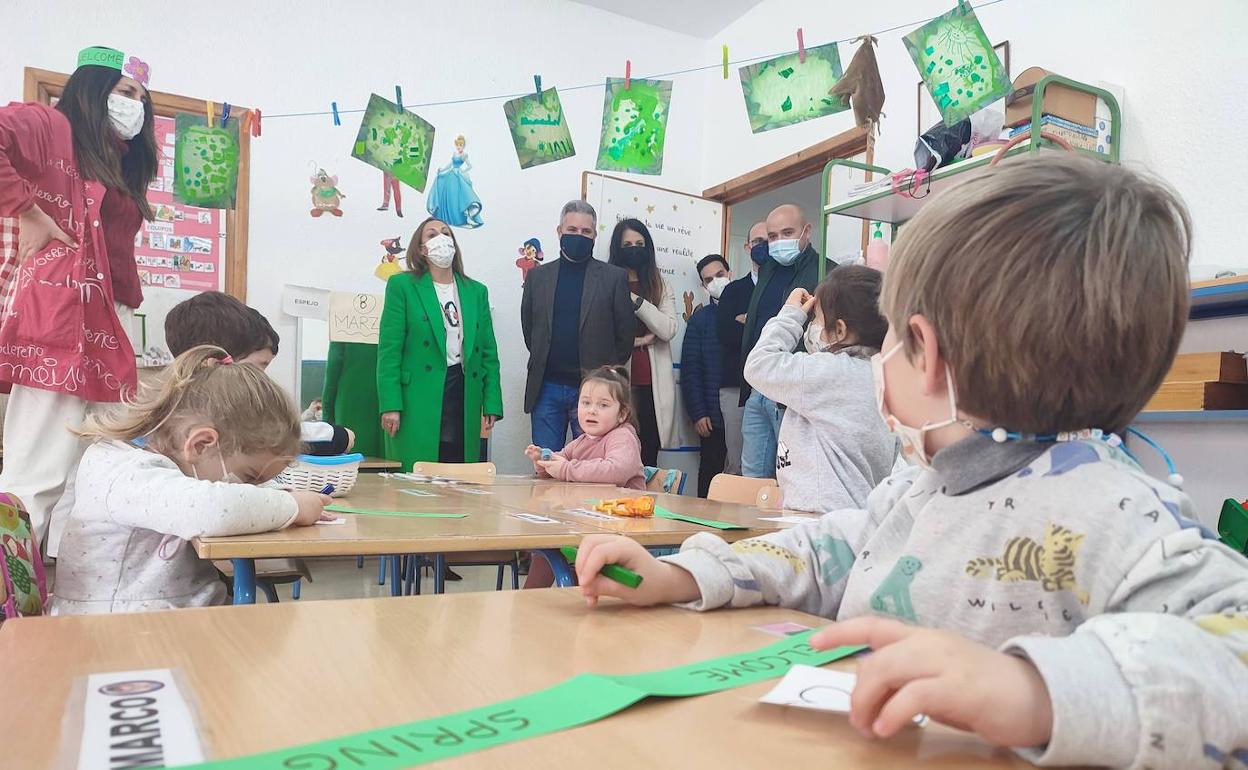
x,y
452,198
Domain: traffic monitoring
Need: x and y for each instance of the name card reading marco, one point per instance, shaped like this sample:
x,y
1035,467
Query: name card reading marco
x,y
354,317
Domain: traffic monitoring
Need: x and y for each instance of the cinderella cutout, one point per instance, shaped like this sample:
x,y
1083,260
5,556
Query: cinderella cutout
x,y
452,198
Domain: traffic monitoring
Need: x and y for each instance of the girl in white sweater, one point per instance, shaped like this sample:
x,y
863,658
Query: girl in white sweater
x,y
211,430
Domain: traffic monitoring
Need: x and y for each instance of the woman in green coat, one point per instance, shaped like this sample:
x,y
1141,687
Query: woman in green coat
x,y
349,397
437,362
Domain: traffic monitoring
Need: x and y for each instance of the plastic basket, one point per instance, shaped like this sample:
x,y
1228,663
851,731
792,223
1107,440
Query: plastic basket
x,y
313,473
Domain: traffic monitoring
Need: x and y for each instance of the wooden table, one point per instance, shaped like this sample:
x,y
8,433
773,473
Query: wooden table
x,y
288,674
378,464
491,525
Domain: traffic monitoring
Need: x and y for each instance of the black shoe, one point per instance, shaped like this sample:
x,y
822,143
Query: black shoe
x,y
450,574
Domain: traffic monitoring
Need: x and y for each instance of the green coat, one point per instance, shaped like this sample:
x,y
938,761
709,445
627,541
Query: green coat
x,y
411,366
350,394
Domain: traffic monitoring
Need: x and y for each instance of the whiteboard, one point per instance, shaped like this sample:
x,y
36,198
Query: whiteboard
x,y
685,228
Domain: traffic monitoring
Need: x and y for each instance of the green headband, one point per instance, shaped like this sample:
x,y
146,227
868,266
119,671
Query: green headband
x,y
101,57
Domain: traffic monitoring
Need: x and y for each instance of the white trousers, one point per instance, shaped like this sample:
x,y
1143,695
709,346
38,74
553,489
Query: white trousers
x,y
731,409
41,454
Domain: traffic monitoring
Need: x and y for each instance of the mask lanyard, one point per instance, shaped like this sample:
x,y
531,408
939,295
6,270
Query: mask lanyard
x,y
1001,435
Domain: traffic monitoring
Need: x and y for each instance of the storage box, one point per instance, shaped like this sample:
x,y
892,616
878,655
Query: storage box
x,y
1081,137
1208,367
1195,396
1066,103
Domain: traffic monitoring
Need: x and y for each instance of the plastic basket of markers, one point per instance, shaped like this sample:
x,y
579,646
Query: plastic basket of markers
x,y
314,473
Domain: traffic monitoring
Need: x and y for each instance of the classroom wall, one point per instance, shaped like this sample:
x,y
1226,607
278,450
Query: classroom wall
x,y
287,56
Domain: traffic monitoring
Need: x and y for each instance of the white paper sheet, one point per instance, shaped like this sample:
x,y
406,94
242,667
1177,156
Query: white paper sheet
x,y
137,719
817,689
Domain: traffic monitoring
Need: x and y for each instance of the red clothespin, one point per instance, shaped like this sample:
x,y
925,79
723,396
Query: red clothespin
x,y
208,110
398,97
255,116
725,61
225,113
537,85
334,106
801,47
628,74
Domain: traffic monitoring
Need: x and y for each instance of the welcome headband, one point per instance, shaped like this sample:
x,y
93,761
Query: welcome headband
x,y
99,56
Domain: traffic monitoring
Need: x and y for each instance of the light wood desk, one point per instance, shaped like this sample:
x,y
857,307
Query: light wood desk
x,y
377,464
491,525
295,673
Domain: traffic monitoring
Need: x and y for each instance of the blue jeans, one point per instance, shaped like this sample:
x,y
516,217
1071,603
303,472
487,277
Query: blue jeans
x,y
554,413
760,432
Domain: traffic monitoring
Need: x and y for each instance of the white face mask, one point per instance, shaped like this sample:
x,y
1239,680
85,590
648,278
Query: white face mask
x,y
226,476
716,286
813,339
126,115
913,446
441,250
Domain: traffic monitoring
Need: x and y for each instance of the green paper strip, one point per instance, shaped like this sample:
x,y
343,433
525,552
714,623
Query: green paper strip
x,y
99,56
577,701
411,514
663,513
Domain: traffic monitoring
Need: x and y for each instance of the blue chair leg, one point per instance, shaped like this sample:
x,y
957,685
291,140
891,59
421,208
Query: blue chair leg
x,y
396,576
515,573
564,576
417,569
411,563
381,570
359,562
498,584
294,589
270,591
244,581
439,573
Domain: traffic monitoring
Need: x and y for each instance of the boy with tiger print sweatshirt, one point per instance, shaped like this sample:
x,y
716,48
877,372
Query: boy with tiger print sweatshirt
x,y
1028,582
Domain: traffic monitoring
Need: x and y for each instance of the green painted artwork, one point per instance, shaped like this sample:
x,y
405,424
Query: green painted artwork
x,y
205,162
538,128
783,91
396,141
956,62
634,126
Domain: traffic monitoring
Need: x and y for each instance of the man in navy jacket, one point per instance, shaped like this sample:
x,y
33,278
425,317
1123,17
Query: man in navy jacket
x,y
700,372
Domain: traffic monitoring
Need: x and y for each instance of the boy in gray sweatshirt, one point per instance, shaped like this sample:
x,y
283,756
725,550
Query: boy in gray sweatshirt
x,y
1027,580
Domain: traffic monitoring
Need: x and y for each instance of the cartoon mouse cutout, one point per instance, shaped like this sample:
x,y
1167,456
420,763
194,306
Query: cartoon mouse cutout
x,y
325,194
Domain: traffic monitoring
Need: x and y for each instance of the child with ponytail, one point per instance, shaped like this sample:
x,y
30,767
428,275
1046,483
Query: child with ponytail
x,y
211,430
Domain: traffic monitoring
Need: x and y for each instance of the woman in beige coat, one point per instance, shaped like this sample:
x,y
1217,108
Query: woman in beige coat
x,y
653,380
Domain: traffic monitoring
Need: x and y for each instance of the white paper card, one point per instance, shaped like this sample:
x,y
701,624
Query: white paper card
x,y
817,689
354,317
305,302
533,517
789,519
137,719
419,492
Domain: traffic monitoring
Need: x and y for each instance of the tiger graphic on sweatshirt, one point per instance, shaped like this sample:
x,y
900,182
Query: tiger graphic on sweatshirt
x,y
1051,564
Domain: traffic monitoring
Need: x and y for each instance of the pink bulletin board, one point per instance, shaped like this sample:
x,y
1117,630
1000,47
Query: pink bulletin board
x,y
183,247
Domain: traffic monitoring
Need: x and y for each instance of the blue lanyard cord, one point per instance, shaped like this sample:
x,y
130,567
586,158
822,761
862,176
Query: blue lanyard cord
x,y
1175,478
1001,435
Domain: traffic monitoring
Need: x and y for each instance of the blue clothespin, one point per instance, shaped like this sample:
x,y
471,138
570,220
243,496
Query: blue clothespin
x,y
398,97
225,113
334,107
537,85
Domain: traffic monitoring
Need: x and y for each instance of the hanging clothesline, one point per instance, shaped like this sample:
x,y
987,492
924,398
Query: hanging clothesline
x,y
598,84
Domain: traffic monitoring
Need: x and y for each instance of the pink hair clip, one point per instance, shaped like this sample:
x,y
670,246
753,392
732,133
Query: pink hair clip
x,y
139,70
228,359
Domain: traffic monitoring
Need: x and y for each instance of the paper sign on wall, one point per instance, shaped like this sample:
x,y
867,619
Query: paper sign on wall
x,y
354,317
305,302
137,719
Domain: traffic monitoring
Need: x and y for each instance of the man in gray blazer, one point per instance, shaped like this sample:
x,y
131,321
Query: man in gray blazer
x,y
577,315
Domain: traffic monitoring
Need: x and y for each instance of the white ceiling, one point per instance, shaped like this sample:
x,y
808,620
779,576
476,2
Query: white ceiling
x,y
700,18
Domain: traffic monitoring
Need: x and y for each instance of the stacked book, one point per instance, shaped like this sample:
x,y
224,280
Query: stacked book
x,y
1200,381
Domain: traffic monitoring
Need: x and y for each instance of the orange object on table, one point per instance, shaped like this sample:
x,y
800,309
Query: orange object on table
x,y
636,507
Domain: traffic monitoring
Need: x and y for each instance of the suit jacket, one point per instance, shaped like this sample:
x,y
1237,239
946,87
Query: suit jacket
x,y
733,302
607,320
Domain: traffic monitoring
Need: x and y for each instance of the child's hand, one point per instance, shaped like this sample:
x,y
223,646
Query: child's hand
x,y
1001,698
311,507
552,466
533,452
350,440
801,299
661,583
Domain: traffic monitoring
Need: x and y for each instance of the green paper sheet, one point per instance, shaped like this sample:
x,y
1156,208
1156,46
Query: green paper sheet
x,y
634,126
413,514
663,513
957,63
577,701
205,161
785,90
396,141
539,129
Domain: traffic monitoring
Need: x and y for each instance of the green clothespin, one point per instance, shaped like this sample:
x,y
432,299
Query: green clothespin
x,y
1233,525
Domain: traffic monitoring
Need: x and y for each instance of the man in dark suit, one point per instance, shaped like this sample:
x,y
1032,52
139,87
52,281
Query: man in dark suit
x,y
734,305
577,315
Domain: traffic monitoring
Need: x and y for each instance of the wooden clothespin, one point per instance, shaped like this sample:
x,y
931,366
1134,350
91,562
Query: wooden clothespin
x,y
725,61
225,113
334,106
801,47
537,85
398,96
208,110
628,74
255,116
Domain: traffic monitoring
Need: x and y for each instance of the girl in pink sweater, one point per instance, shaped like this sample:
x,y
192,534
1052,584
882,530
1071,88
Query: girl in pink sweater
x,y
608,452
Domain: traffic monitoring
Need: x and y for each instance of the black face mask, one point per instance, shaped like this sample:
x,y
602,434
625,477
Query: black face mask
x,y
576,248
633,256
759,253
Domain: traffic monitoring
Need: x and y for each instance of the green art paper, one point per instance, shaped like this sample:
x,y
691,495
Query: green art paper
x,y
783,91
956,62
634,126
538,128
577,701
205,162
396,141
372,512
663,513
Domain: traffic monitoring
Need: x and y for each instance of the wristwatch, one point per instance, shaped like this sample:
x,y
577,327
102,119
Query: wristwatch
x,y
637,303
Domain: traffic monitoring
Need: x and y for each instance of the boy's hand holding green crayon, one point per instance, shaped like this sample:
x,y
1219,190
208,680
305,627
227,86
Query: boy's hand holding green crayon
x,y
661,583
